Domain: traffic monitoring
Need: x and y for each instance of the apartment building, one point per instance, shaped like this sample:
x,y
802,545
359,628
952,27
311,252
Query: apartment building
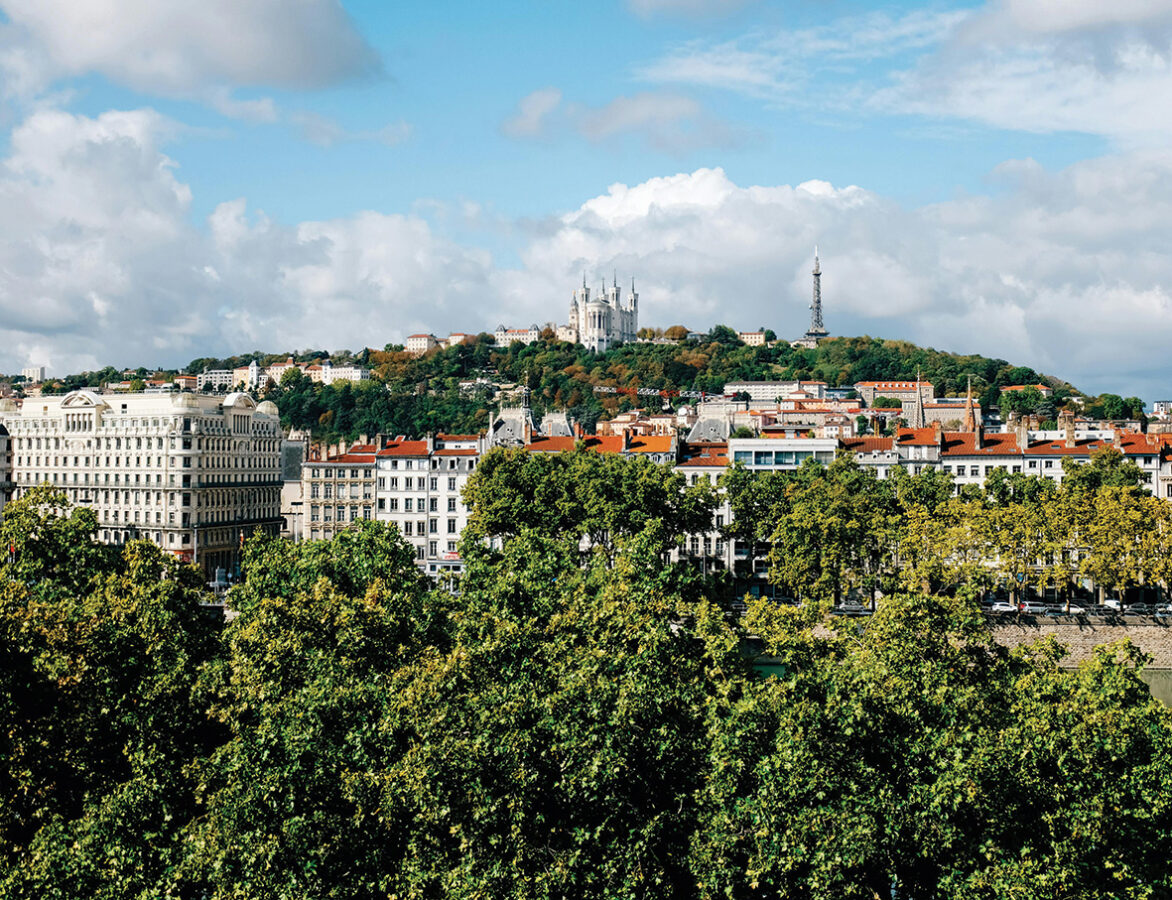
x,y
706,461
193,473
338,491
418,489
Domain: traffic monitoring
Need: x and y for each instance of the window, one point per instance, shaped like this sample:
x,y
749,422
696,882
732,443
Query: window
x,y
451,526
433,504
408,504
451,504
452,483
407,529
433,526
435,484
432,548
419,552
451,546
1049,464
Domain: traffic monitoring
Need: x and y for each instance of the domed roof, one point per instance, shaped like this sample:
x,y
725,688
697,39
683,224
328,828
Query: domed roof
x,y
269,408
239,398
185,400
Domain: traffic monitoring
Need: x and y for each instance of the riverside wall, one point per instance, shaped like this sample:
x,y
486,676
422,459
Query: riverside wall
x,y
1081,634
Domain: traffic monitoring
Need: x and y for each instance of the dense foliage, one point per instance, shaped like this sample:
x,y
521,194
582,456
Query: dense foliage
x,y
837,531
578,719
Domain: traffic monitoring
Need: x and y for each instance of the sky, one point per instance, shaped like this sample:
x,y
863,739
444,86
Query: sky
x,y
184,179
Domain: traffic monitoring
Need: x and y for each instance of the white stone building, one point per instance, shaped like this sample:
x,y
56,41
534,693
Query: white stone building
x,y
600,322
418,488
418,344
213,380
193,473
338,491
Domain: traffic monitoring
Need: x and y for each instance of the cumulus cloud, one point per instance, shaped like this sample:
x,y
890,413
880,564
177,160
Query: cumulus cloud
x,y
1066,270
98,259
182,49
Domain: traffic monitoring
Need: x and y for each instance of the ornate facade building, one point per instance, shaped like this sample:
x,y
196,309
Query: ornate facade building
x,y
193,473
602,321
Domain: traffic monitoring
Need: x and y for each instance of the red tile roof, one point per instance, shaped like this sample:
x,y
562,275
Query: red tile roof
x,y
871,444
916,437
704,453
404,448
651,443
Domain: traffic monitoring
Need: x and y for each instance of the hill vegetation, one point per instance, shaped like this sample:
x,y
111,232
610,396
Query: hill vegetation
x,y
450,389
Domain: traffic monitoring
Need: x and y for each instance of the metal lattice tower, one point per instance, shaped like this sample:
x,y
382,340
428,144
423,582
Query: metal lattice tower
x,y
817,328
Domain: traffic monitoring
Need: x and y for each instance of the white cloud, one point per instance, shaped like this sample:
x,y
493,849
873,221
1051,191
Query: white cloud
x,y
665,121
99,262
326,132
532,113
1067,271
1061,16
781,65
177,48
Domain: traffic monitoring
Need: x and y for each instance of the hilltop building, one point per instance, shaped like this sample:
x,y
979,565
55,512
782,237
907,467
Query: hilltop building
x,y
603,321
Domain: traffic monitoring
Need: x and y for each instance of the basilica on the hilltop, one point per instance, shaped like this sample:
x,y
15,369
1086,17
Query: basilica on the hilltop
x,y
600,322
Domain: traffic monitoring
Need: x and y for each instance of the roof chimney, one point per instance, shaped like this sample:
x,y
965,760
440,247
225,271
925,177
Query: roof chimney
x,y
938,432
1066,423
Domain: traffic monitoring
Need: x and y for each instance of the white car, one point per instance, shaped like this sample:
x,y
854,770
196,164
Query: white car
x,y
1002,607
1061,610
1031,606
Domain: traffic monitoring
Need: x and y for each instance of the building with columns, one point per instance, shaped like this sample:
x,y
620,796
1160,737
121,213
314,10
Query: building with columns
x,y
193,473
602,321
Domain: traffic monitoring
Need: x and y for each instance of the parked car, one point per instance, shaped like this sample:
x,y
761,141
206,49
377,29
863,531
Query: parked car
x,y
1032,606
1138,609
1061,610
1002,606
1164,609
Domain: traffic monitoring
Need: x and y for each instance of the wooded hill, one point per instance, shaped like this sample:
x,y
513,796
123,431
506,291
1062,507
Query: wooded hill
x,y
424,392
414,395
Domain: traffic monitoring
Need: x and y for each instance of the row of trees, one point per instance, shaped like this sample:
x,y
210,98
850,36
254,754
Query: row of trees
x,y
566,725
835,531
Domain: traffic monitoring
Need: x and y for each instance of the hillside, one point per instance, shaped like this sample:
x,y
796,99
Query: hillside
x,y
424,392
415,395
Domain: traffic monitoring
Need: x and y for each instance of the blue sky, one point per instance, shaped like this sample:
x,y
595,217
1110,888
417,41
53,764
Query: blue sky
x,y
182,180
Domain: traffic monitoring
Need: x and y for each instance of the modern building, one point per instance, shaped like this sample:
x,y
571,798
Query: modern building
x,y
193,473
603,321
33,374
